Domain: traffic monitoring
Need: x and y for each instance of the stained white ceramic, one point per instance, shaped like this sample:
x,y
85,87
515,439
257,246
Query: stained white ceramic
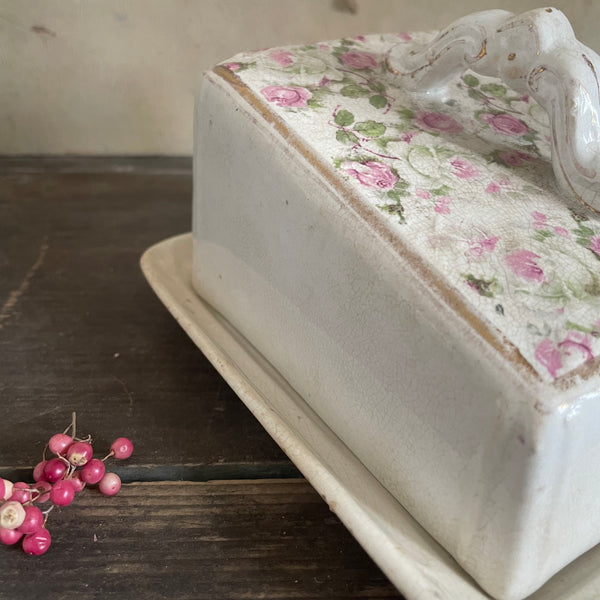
x,y
414,562
411,269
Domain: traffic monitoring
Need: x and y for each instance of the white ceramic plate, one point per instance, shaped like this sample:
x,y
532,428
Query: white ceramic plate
x,y
413,561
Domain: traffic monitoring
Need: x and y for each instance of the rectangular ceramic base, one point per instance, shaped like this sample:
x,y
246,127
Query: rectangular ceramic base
x,y
412,560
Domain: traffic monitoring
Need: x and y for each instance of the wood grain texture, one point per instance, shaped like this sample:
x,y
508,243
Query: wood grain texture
x,y
80,329
267,539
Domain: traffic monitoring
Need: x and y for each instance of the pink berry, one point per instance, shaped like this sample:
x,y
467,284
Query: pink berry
x,y
43,488
54,470
8,489
80,453
59,443
122,448
37,543
78,483
21,492
9,537
34,520
12,515
62,493
38,471
110,484
93,472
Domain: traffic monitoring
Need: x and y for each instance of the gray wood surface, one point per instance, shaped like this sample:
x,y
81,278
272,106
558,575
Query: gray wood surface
x,y
217,540
80,330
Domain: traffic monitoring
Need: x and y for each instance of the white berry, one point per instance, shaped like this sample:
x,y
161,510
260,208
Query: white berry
x,y
12,515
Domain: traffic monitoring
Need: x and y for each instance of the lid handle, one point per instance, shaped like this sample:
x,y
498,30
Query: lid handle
x,y
536,53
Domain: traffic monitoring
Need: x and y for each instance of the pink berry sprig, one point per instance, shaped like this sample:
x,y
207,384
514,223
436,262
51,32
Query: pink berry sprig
x,y
57,480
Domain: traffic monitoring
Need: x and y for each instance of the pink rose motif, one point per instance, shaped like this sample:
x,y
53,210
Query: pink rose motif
x,y
359,60
505,124
595,244
371,174
549,356
522,263
286,96
477,248
562,232
422,194
361,38
408,136
405,37
493,188
515,158
442,206
578,342
437,122
324,81
463,168
496,187
539,220
282,57
232,66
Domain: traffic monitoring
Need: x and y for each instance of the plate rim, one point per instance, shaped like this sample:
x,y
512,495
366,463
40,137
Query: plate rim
x,y
413,561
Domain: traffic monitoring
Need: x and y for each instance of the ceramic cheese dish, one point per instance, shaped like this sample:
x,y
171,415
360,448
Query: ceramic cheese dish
x,y
405,227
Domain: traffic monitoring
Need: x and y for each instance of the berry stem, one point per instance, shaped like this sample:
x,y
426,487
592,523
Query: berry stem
x,y
111,453
64,460
46,513
73,425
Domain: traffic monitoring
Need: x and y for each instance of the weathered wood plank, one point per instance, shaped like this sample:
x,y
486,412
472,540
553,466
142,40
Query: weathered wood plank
x,y
165,165
266,539
81,330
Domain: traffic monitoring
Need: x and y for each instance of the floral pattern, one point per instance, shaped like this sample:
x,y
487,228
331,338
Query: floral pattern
x,y
465,180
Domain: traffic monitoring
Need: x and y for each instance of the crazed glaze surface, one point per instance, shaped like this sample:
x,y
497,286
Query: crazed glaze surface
x,y
467,182
397,263
534,53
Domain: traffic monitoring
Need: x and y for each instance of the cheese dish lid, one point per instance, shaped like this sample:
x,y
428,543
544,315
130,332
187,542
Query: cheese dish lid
x,y
462,175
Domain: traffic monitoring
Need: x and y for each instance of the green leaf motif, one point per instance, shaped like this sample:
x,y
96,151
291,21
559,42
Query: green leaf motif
x,y
477,95
401,185
344,118
406,113
494,89
583,231
314,103
471,80
398,192
354,91
370,129
542,234
346,137
485,287
394,209
377,86
378,101
593,287
443,152
382,142
574,326
441,191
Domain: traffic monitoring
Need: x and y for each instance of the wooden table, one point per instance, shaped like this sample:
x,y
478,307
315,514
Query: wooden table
x,y
211,507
